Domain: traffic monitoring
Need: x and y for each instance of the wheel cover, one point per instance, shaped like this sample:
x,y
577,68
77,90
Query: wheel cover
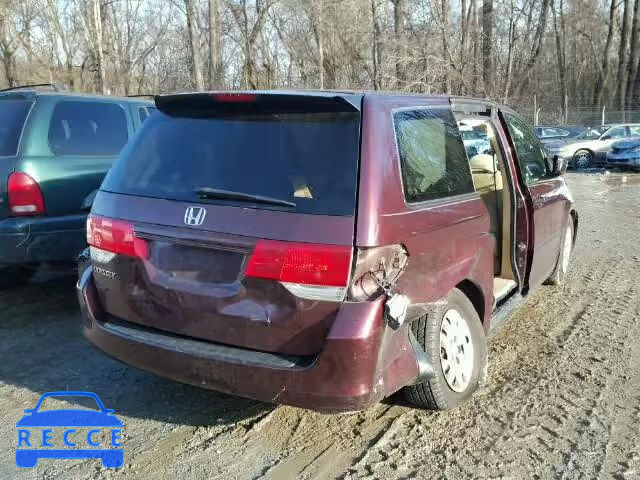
x,y
456,351
583,159
566,250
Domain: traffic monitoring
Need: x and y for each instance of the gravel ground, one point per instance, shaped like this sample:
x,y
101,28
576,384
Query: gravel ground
x,y
562,400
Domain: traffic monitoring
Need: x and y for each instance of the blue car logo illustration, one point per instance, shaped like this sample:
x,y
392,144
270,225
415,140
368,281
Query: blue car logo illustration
x,y
32,446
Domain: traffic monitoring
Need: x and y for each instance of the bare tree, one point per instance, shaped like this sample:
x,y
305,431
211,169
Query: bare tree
x,y
194,43
250,34
603,72
566,51
634,55
401,51
487,46
376,45
215,46
8,46
560,32
623,52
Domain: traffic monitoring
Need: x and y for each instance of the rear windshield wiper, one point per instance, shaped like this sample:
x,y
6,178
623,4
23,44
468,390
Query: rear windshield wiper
x,y
215,193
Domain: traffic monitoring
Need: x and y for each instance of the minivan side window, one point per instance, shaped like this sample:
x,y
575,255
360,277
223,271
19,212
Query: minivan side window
x,y
433,160
87,128
554,132
531,157
617,132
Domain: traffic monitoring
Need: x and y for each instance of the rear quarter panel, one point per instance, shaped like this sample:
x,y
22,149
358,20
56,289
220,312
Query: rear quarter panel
x,y
65,180
447,240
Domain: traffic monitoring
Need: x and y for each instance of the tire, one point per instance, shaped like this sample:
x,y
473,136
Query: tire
x,y
16,276
582,160
564,257
439,393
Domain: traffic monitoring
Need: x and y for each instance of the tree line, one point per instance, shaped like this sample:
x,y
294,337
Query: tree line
x,y
563,52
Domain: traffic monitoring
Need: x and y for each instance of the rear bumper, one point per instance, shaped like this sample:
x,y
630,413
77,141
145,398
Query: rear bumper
x,y
361,362
47,239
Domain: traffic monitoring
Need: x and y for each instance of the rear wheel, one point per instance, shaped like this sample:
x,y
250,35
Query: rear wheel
x,y
454,340
559,274
582,160
16,276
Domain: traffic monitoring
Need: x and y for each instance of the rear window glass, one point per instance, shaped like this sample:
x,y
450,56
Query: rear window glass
x,y
432,155
309,159
13,114
87,128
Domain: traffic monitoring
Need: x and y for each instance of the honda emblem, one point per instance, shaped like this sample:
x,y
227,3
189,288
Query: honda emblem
x,y
194,216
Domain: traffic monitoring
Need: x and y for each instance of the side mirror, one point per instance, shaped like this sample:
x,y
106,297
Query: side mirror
x,y
558,165
605,137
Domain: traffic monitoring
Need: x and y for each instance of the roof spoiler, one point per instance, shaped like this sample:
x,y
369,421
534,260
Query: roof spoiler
x,y
53,86
473,106
209,104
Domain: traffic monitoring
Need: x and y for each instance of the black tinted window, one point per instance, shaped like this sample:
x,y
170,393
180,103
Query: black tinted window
x,y
87,128
309,159
531,157
13,114
432,155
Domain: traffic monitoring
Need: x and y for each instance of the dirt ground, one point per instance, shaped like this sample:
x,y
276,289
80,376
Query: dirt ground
x,y
562,400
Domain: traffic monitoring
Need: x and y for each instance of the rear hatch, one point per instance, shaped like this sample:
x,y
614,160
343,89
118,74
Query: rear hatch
x,y
14,110
234,219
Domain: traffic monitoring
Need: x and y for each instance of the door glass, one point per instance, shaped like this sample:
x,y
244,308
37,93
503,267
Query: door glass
x,y
617,132
432,155
635,130
87,128
531,157
13,114
554,132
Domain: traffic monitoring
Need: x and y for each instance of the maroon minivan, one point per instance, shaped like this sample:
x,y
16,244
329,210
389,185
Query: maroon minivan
x,y
322,249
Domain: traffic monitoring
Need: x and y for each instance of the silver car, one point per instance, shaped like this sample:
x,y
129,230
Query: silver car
x,y
591,147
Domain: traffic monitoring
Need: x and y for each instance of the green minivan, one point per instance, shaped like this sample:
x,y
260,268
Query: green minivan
x,y
55,149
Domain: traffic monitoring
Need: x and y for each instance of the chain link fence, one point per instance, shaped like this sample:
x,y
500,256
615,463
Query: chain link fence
x,y
549,111
588,117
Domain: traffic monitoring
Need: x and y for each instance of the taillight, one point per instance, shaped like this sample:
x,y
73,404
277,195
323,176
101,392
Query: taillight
x,y
25,196
319,272
115,236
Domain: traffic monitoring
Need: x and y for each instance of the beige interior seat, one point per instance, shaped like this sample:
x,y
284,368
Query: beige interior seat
x,y
487,180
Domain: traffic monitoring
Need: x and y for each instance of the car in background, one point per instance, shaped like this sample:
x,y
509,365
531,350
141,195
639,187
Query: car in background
x,y
474,137
550,133
56,148
625,154
590,148
341,247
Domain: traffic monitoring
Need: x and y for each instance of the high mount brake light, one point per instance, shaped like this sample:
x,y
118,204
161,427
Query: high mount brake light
x,y
115,236
234,97
319,272
24,195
